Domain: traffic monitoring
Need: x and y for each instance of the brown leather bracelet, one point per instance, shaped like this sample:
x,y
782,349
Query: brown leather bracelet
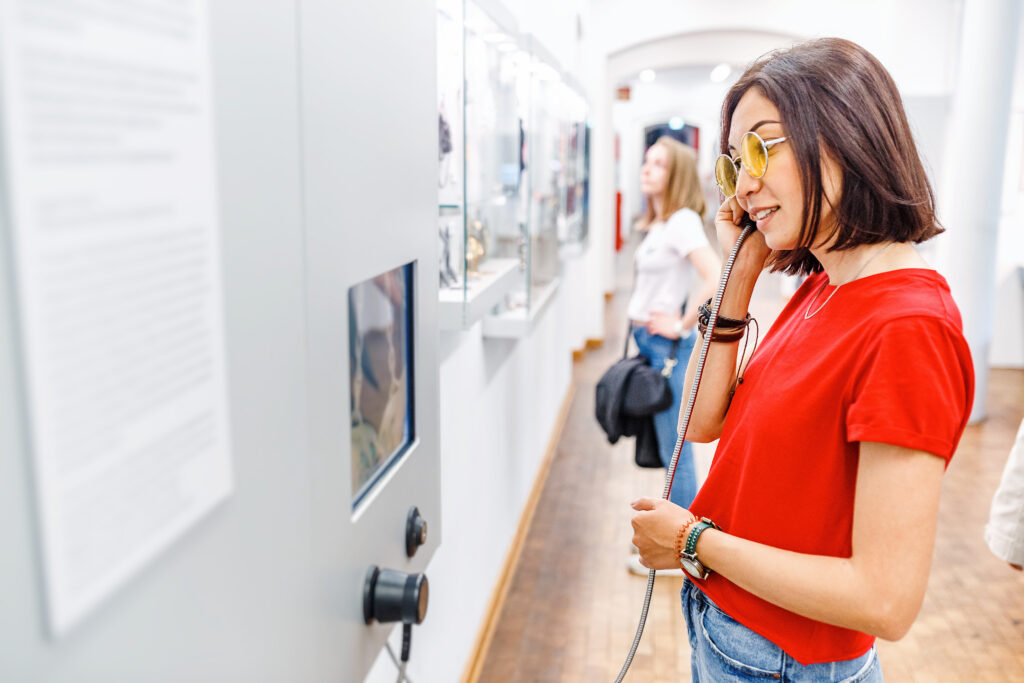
x,y
723,336
704,317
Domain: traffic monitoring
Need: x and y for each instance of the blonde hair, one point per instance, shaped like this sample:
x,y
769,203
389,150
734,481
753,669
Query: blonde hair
x,y
682,190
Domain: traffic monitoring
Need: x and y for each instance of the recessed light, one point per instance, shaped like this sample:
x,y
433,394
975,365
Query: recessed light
x,y
721,72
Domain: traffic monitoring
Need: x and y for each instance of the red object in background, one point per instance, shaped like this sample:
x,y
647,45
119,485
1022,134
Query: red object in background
x,y
696,138
618,201
618,221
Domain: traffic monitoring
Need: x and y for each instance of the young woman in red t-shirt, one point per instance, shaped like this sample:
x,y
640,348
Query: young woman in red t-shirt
x,y
826,481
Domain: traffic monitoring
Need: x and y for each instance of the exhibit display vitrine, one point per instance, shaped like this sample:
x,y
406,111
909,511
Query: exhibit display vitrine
x,y
573,231
478,216
540,198
511,170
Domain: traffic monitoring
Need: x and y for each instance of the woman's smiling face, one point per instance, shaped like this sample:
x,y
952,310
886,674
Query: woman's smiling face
x,y
777,196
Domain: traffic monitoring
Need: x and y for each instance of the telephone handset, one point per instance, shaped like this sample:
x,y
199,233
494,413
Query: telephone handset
x,y
685,410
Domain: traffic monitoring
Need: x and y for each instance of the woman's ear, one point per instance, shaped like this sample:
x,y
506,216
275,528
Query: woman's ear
x,y
831,180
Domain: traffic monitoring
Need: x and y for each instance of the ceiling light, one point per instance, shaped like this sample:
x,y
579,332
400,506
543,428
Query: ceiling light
x,y
647,75
676,123
721,72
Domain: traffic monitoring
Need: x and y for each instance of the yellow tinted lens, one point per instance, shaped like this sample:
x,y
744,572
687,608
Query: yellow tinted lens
x,y
754,155
725,175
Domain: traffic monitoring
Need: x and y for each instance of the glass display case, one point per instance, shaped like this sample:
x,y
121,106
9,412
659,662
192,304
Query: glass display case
x,y
548,172
585,197
512,170
542,193
449,103
478,215
573,229
451,158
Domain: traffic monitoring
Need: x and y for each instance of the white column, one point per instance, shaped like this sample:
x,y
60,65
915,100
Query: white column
x,y
971,192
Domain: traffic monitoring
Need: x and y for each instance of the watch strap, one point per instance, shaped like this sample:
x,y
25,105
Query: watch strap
x,y
695,531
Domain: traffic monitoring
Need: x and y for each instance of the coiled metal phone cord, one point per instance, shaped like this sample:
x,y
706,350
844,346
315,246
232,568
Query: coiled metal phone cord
x,y
681,427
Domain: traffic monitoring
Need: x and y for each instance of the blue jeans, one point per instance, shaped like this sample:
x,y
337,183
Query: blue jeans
x,y
656,349
725,650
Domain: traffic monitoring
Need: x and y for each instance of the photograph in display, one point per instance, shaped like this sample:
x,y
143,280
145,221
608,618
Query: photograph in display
x,y
381,374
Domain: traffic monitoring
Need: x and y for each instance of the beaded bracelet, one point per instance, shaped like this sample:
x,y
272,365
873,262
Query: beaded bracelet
x,y
684,532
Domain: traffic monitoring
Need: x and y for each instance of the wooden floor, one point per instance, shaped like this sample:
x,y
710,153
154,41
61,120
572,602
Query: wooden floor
x,y
572,608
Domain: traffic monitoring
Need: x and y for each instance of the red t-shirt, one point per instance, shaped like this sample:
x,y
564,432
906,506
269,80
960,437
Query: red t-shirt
x,y
885,361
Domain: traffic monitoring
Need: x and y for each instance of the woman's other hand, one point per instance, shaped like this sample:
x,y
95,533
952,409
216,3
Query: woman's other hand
x,y
664,324
655,527
729,225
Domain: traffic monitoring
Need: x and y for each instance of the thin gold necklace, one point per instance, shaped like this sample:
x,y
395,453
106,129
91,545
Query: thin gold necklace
x,y
808,314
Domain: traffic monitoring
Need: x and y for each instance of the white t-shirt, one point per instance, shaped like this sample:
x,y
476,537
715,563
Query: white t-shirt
x,y
664,274
1005,529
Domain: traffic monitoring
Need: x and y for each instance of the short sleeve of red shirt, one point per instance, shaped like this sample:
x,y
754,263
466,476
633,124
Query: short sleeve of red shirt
x,y
911,390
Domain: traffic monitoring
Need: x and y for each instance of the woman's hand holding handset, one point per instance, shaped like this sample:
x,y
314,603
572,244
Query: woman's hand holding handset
x,y
656,525
718,378
753,255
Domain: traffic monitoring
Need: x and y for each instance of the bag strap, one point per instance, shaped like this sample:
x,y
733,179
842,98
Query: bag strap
x,y
629,325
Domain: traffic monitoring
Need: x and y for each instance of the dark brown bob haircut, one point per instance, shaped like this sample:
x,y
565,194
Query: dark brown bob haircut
x,y
837,101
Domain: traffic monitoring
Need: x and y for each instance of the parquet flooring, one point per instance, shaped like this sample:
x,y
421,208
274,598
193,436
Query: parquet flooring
x,y
572,607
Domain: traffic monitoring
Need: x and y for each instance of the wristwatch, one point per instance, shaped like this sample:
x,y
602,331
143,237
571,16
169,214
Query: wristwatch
x,y
679,328
688,558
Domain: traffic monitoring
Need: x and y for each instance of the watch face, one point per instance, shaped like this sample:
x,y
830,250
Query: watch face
x,y
692,567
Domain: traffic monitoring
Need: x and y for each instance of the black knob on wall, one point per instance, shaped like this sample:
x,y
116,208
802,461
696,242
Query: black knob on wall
x,y
390,595
415,531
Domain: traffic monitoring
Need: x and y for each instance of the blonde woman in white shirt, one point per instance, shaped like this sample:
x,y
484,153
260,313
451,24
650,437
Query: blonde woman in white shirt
x,y
674,265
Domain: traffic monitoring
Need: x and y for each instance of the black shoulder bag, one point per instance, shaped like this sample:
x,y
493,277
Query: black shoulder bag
x,y
628,396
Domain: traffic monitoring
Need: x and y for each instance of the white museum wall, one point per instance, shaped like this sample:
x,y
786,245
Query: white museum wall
x,y
881,26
